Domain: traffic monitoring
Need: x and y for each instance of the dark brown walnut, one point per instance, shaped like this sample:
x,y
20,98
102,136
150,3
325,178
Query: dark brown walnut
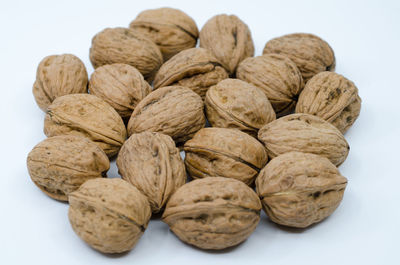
x,y
213,213
310,53
120,85
173,110
194,68
109,214
151,162
171,29
233,103
221,152
60,164
332,97
304,133
229,40
123,45
89,116
277,76
59,75
299,189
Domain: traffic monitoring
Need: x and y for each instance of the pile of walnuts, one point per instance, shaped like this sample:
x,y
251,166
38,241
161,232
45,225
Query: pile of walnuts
x,y
150,96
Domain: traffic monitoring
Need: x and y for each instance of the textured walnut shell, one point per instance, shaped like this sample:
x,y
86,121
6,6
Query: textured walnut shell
x,y
213,213
59,75
233,103
151,162
277,76
60,164
194,68
310,53
171,29
299,189
304,133
122,45
221,152
332,97
109,214
89,116
229,39
120,85
174,110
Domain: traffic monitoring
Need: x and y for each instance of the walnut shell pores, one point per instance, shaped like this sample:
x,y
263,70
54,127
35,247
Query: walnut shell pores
x,y
298,189
109,214
171,29
194,68
304,133
122,45
89,116
277,76
233,103
60,164
310,53
213,213
120,85
229,39
332,97
151,162
221,152
59,75
175,111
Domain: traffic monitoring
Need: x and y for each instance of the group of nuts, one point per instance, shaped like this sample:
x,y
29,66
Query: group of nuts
x,y
249,103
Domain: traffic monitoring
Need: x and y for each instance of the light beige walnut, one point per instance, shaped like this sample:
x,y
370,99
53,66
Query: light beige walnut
x,y
213,213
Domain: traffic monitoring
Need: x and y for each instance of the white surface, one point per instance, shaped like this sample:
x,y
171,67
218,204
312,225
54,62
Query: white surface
x,y
365,36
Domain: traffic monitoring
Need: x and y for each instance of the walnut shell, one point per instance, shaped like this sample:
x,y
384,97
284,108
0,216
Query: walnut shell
x,y
89,116
277,76
213,213
173,110
299,189
310,53
120,85
304,133
171,29
60,164
123,45
59,75
221,152
332,97
194,68
151,162
229,39
109,214
233,103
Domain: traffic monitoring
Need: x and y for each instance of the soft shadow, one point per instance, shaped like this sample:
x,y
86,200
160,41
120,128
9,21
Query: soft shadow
x,y
289,229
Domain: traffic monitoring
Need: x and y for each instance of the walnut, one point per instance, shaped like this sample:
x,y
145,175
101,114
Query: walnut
x,y
233,103
304,133
310,53
151,162
299,189
194,68
229,39
332,97
221,152
120,85
171,29
122,45
89,116
59,75
173,110
277,76
109,214
60,164
213,213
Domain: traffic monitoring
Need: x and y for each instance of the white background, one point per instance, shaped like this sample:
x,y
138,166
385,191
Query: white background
x,y
365,36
